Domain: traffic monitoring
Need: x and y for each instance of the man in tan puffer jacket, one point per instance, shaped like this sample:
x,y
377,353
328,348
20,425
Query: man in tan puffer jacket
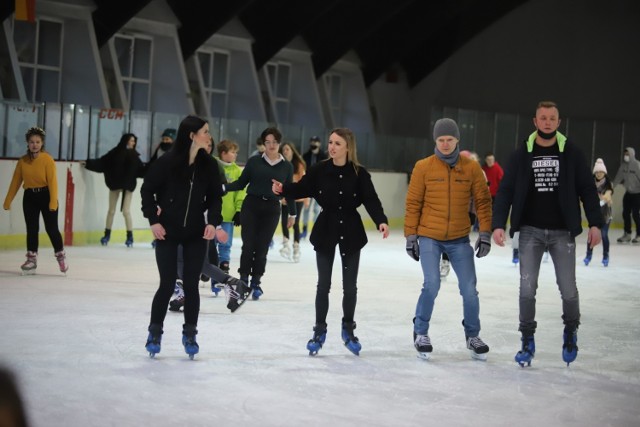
x,y
437,221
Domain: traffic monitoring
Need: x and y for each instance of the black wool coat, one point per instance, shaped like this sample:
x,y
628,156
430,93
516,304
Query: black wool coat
x,y
339,190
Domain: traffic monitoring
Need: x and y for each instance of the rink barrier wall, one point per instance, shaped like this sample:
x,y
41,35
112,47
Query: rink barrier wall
x,y
91,199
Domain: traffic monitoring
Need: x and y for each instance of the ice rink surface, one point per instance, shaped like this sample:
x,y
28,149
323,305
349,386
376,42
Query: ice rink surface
x,y
76,344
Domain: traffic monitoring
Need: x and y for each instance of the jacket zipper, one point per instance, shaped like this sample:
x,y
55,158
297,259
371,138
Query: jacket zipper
x,y
188,199
449,209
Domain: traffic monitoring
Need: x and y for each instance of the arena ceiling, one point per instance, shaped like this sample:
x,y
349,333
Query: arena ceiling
x,y
417,35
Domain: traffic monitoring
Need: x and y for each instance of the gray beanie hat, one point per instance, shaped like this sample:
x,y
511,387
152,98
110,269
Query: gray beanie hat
x,y
446,127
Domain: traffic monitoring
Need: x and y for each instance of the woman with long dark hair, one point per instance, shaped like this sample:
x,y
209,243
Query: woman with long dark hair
x,y
291,155
121,167
178,188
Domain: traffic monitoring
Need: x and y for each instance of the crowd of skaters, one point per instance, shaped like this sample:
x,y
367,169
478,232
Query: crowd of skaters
x,y
193,201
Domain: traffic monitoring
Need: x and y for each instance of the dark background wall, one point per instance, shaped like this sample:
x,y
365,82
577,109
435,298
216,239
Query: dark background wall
x,y
585,55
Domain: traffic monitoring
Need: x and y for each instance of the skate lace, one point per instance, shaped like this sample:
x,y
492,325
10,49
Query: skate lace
x,y
476,342
422,340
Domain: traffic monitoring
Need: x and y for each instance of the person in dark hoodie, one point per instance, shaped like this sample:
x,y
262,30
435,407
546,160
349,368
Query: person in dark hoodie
x,y
121,167
168,135
178,188
544,181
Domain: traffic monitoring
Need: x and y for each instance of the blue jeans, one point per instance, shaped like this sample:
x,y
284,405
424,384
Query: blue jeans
x,y
224,249
461,257
562,248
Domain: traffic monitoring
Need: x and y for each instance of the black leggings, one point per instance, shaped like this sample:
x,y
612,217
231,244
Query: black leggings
x,y
34,204
350,264
194,249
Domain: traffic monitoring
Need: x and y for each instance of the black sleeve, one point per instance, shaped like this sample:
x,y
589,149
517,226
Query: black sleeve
x,y
154,180
214,194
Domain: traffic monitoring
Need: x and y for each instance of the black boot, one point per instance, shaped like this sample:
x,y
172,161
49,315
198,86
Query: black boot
x,y
129,241
107,235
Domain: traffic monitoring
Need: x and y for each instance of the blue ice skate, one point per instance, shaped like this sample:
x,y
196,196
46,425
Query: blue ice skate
x,y
257,291
516,256
154,339
319,336
570,347
605,260
587,259
191,347
107,236
525,356
350,340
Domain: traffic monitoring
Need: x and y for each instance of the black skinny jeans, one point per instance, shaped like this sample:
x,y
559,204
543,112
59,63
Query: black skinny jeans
x,y
259,219
34,204
631,208
350,264
194,249
296,223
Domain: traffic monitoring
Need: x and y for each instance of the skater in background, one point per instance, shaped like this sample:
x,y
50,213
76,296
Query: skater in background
x,y
168,135
181,185
313,155
12,409
291,155
605,191
260,147
261,208
339,185
629,175
121,167
232,201
36,171
437,220
494,173
544,180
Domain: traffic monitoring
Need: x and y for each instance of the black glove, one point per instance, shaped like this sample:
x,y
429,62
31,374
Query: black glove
x,y
236,219
412,247
483,244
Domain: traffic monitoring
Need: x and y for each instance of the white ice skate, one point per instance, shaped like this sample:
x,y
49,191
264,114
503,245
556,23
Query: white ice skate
x,y
30,265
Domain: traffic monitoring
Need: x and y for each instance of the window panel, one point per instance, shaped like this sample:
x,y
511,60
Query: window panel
x,y
282,110
220,61
142,58
272,72
124,47
24,36
205,68
282,90
49,43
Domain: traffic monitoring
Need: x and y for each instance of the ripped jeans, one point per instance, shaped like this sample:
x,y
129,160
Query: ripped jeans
x,y
562,249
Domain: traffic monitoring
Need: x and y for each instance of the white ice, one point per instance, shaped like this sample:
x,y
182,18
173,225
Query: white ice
x,y
76,344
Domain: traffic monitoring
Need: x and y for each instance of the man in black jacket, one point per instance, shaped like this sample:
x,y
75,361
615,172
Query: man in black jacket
x,y
544,181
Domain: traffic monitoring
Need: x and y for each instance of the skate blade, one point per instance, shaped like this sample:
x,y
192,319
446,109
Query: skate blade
x,y
423,355
28,272
475,356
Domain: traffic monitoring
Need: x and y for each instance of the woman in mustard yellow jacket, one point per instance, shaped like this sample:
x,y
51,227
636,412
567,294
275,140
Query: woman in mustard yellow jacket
x,y
37,170
437,221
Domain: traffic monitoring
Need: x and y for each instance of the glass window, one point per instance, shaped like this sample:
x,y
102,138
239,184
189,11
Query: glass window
x,y
142,59
220,62
49,43
24,37
124,50
204,58
139,96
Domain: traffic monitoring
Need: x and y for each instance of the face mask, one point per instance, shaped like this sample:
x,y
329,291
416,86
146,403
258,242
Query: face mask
x,y
545,135
626,159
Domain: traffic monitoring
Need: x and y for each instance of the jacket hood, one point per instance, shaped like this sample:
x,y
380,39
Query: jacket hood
x,y
632,152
